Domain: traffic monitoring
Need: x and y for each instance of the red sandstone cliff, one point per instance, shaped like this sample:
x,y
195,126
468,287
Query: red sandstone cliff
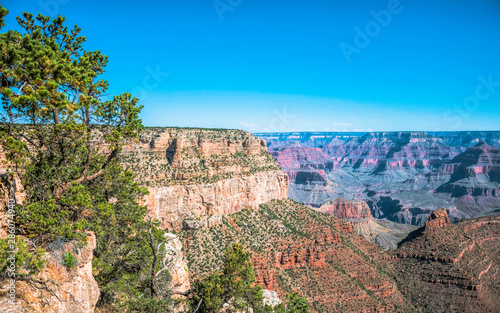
x,y
355,211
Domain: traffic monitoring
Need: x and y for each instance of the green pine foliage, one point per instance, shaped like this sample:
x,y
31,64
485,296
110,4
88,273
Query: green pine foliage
x,y
235,287
62,137
293,303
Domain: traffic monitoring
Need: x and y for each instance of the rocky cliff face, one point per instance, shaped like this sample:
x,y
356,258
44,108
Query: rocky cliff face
x,y
176,265
437,219
384,233
474,182
195,176
64,290
355,211
192,206
67,290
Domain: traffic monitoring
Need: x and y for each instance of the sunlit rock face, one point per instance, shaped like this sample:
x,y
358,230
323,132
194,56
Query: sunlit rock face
x,y
196,176
203,204
68,290
355,211
176,265
384,233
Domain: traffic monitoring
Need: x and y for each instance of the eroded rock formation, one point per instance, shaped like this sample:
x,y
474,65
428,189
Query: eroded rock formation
x,y
355,211
384,233
204,204
175,263
196,176
451,267
403,176
66,290
437,219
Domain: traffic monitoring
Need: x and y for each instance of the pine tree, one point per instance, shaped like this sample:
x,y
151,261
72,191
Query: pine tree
x,y
62,138
235,288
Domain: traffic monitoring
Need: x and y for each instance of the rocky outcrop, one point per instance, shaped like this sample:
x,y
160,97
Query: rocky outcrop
x,y
67,290
270,298
437,219
185,156
383,233
196,176
175,263
355,211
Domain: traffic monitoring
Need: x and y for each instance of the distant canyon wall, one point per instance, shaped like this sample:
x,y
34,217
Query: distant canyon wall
x,y
403,176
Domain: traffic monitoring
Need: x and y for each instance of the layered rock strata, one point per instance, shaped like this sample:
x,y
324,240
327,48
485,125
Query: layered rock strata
x,y
196,176
384,233
451,267
355,211
403,176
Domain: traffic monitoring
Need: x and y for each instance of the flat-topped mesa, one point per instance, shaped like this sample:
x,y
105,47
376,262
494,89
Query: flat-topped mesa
x,y
437,219
195,176
355,211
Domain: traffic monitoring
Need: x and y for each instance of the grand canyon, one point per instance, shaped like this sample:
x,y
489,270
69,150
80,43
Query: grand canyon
x,y
424,205
234,156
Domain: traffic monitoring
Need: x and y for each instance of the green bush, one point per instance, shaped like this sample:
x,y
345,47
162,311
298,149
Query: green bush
x,y
69,260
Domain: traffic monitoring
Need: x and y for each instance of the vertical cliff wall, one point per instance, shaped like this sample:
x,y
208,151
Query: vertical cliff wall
x,y
195,176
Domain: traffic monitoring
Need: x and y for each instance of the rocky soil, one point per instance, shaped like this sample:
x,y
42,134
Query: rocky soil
x,y
298,249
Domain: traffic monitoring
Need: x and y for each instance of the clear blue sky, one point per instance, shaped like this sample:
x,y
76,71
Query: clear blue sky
x,y
265,65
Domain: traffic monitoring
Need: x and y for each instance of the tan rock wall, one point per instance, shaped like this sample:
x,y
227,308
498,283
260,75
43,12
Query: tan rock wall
x,y
173,205
72,290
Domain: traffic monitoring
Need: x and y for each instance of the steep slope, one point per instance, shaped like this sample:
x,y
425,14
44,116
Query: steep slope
x,y
298,249
195,176
446,267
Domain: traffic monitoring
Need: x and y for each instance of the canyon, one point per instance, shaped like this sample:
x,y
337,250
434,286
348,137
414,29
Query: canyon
x,y
439,267
403,176
382,232
401,191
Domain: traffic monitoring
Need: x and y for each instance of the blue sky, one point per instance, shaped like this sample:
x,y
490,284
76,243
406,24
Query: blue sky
x,y
308,65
